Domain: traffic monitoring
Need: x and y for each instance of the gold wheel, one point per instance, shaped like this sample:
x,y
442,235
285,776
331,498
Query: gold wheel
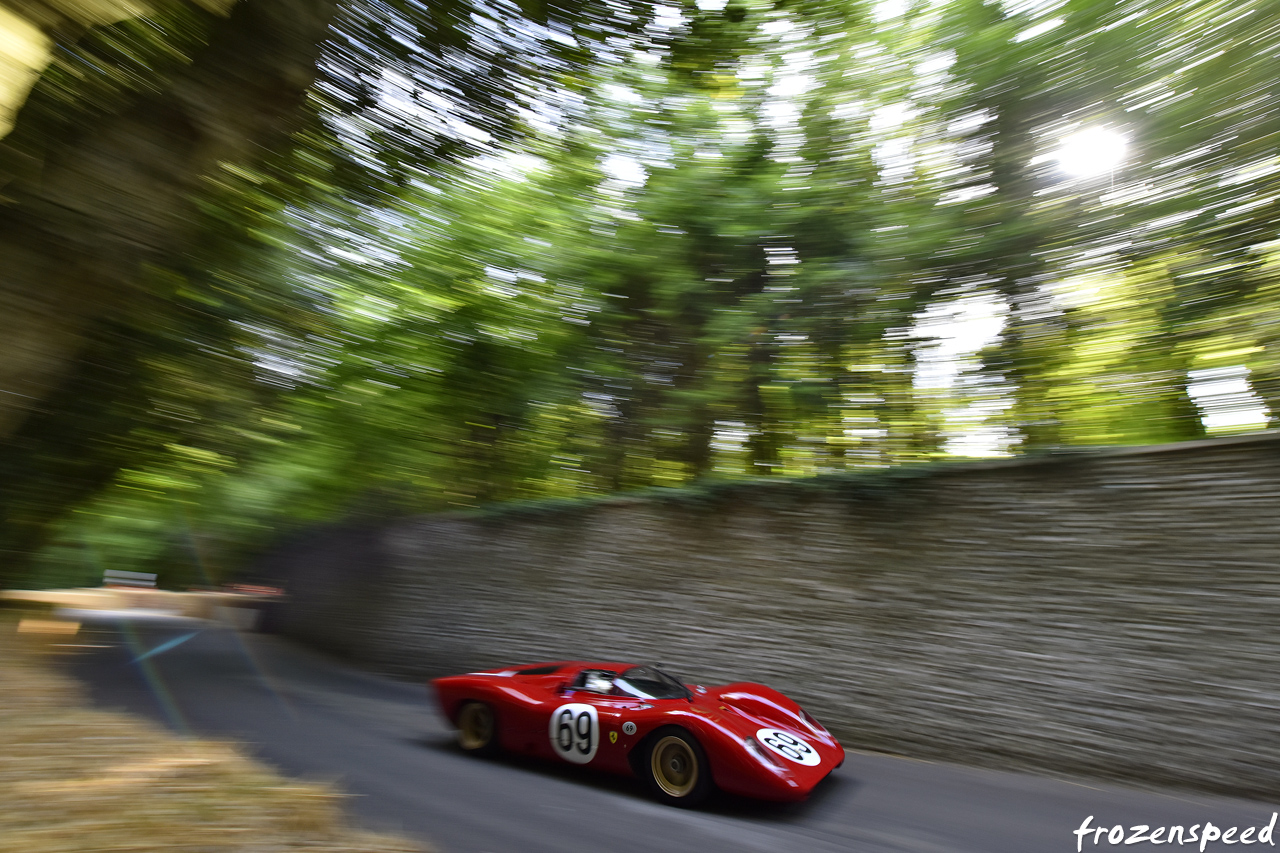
x,y
475,726
674,766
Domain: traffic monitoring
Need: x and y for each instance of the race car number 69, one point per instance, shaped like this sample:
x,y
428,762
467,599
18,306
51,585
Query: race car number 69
x,y
789,746
575,732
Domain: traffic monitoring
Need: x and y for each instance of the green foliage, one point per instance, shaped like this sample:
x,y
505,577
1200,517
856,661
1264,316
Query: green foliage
x,y
517,261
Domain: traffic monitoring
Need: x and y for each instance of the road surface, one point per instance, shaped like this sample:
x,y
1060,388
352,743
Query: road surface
x,y
382,741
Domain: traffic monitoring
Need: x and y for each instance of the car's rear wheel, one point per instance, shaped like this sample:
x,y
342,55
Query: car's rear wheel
x,y
676,767
477,728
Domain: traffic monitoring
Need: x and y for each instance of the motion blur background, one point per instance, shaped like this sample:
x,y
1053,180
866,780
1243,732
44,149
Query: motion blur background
x,y
270,263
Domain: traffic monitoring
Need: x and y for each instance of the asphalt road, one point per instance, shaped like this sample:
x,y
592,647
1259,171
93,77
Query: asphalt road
x,y
382,741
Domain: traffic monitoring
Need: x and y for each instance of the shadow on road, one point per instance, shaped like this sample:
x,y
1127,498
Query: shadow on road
x,y
832,793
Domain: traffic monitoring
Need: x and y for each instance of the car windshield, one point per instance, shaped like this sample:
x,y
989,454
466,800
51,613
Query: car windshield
x,y
649,682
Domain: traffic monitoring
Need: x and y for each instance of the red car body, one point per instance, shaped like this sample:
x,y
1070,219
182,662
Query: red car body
x,y
755,741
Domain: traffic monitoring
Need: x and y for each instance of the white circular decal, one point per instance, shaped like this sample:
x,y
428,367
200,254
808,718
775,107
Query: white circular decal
x,y
575,732
789,746
628,728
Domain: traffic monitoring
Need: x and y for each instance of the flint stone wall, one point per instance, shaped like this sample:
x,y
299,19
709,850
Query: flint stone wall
x,y
1108,613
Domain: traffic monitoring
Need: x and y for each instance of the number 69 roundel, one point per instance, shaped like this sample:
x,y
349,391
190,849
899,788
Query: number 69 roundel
x,y
789,746
575,732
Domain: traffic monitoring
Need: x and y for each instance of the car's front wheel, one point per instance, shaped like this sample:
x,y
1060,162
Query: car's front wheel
x,y
477,728
676,767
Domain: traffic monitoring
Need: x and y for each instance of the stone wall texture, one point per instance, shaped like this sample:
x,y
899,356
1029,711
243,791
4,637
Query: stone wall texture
x,y
1103,613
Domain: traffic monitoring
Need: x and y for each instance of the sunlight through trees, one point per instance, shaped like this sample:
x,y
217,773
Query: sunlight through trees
x,y
514,252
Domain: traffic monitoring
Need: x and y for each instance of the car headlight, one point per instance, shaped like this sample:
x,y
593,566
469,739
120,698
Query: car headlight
x,y
762,755
817,726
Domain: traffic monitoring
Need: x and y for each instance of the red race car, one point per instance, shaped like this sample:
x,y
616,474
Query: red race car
x,y
743,738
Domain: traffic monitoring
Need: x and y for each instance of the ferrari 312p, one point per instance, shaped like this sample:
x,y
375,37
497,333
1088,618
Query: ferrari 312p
x,y
743,738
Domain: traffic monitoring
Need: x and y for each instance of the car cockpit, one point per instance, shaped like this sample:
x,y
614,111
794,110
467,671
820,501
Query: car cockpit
x,y
595,681
640,682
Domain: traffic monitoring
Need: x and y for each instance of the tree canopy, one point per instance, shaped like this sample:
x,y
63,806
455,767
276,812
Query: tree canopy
x,y
410,257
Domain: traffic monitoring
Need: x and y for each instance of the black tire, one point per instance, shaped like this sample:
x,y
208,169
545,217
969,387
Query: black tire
x,y
675,767
477,728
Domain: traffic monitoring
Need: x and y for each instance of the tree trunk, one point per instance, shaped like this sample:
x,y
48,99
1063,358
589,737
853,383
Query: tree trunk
x,y
78,225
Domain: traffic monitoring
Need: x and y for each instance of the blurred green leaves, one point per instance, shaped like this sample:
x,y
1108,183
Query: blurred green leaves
x,y
518,253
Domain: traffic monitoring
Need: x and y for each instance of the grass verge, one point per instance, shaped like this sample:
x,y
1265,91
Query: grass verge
x,y
78,780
